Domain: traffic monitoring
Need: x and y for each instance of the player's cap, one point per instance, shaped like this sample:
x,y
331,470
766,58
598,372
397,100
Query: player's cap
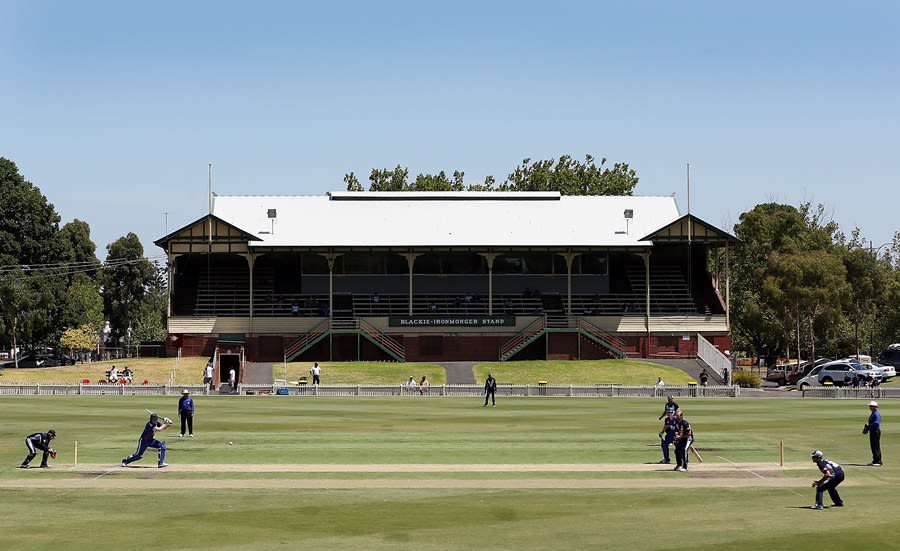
x,y
185,391
670,397
873,403
816,454
52,433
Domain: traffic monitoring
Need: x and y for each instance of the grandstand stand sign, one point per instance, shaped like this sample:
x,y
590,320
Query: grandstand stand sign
x,y
452,321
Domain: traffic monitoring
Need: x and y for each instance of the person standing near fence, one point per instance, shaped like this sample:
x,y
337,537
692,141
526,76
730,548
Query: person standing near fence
x,y
316,372
490,389
232,380
873,429
186,412
208,375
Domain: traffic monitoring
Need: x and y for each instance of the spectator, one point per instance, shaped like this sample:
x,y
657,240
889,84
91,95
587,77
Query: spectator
x,y
316,371
128,375
423,385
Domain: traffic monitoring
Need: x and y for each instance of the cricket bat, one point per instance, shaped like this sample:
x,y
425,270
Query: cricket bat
x,y
696,454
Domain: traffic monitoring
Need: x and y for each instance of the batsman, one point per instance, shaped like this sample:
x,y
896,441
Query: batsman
x,y
39,441
148,440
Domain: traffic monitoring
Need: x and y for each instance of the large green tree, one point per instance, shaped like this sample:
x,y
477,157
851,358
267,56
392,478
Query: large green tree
x,y
32,257
781,293
126,280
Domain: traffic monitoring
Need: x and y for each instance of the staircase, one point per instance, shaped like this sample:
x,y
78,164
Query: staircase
x,y
523,338
328,326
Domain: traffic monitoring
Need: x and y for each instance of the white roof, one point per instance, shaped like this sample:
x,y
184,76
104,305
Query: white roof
x,y
434,219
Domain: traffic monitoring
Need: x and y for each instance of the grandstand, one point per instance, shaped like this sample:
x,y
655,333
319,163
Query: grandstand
x,y
447,276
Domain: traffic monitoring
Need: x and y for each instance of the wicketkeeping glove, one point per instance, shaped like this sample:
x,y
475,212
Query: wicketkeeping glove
x,y
52,453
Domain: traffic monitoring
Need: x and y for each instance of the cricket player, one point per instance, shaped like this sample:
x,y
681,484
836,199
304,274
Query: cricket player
x,y
671,405
148,440
684,437
873,429
832,476
39,441
667,436
490,389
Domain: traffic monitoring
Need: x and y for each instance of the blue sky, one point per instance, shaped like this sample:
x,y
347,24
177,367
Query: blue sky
x,y
115,109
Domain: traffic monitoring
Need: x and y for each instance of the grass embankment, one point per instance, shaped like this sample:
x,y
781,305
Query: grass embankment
x,y
153,370
557,372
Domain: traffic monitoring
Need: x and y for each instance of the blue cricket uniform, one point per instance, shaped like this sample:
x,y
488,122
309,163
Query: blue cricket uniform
x,y
873,427
668,436
683,440
835,476
148,440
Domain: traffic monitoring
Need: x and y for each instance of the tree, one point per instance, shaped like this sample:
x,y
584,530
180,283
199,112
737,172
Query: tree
x,y
31,260
126,281
79,339
83,306
565,175
807,286
570,177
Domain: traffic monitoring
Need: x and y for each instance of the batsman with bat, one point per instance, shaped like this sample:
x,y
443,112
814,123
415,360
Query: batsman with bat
x,y
39,441
148,440
684,437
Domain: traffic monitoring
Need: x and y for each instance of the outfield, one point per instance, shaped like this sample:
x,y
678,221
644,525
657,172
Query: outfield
x,y
442,473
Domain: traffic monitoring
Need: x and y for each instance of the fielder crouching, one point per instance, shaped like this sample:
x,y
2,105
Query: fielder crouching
x,y
148,440
39,441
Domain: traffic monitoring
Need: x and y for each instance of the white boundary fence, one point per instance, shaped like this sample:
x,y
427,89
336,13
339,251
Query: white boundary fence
x,y
851,393
401,390
539,390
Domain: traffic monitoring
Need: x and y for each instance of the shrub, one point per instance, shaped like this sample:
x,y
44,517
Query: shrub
x,y
745,379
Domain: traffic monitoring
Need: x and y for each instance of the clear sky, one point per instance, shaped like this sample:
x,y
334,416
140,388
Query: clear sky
x,y
115,109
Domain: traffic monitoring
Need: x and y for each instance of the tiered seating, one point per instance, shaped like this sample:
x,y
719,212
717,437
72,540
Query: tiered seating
x,y
669,291
224,291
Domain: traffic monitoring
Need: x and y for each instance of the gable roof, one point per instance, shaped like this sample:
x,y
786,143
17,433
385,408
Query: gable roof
x,y
689,228
205,230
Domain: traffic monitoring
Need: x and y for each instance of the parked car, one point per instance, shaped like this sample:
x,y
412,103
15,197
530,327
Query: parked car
x,y
811,379
804,369
34,360
887,371
778,373
841,372
63,359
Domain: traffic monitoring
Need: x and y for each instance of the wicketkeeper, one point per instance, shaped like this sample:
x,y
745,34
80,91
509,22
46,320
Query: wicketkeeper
x,y
148,440
39,441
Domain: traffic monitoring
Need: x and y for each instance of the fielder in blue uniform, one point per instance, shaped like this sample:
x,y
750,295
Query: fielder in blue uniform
x,y
671,405
667,435
684,437
148,440
873,429
832,476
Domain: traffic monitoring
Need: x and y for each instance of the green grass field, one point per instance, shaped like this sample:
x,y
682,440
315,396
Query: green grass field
x,y
442,473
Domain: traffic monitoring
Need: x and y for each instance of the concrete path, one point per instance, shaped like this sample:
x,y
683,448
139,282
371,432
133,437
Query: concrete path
x,y
459,373
691,367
